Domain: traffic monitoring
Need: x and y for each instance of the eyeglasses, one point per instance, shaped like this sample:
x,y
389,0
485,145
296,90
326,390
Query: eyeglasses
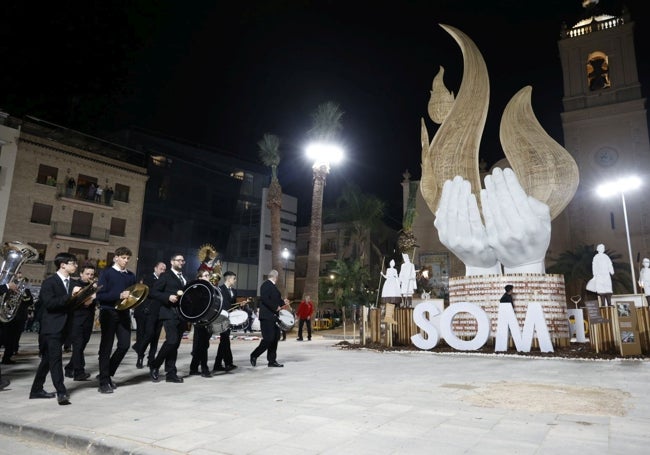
x,y
178,260
72,262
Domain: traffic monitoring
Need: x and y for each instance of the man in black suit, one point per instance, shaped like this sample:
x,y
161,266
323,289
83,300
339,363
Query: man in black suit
x,y
146,318
4,288
81,329
224,353
270,305
167,290
55,292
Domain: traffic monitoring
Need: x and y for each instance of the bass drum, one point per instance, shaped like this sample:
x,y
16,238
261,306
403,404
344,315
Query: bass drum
x,y
200,303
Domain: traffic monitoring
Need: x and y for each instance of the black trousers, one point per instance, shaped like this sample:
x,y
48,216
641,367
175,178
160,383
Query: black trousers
x,y
300,324
200,345
169,350
51,361
147,335
224,353
115,324
80,332
270,339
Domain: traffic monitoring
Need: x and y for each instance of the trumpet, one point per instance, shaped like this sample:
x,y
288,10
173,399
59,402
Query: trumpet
x,y
77,299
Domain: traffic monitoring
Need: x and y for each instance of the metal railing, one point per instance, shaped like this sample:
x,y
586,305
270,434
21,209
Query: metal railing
x,y
80,232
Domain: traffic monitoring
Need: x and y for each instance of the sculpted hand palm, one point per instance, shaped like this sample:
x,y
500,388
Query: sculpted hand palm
x,y
518,226
459,225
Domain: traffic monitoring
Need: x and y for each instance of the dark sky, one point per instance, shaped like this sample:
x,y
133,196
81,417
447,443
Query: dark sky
x,y
223,76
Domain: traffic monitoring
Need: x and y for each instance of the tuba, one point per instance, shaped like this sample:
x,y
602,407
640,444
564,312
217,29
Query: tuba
x,y
13,256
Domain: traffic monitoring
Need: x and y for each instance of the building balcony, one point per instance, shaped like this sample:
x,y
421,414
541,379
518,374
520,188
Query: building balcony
x,y
79,233
74,196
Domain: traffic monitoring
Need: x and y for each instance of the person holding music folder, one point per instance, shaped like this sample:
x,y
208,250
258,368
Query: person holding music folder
x,y
113,284
201,341
270,305
54,295
167,290
147,322
4,288
224,353
83,318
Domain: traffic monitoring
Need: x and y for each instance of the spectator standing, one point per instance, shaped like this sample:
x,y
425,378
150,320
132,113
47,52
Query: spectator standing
x,y
304,313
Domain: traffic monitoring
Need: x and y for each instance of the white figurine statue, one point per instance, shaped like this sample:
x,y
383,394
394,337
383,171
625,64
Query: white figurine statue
x,y
390,293
644,278
407,279
517,230
602,268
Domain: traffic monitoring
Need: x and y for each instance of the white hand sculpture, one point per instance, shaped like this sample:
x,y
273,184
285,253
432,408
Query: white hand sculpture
x,y
518,226
461,230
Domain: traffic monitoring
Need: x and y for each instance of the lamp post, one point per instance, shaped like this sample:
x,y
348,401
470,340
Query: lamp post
x,y
621,186
285,256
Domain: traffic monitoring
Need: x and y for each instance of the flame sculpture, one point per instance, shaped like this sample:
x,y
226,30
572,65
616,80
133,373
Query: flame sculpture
x,y
544,168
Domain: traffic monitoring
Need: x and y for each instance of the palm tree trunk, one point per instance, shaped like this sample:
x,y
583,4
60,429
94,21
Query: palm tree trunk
x,y
315,231
274,203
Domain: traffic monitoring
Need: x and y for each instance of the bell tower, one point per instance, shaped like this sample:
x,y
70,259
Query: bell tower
x,y
605,128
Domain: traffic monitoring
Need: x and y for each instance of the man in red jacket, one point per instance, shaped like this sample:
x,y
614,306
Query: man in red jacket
x,y
304,313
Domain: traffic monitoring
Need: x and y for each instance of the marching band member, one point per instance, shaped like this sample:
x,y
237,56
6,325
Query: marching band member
x,y
167,290
201,341
4,288
55,292
146,317
81,328
114,324
224,353
270,305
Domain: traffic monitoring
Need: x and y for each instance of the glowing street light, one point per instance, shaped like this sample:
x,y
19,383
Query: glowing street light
x,y
285,256
622,186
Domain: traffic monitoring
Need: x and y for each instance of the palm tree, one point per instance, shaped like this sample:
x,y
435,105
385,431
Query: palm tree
x,y
361,214
326,124
269,154
576,267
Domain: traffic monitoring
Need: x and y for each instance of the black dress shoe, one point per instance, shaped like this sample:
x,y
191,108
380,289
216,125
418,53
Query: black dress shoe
x,y
298,339
82,377
174,378
218,368
153,373
8,362
275,364
253,360
112,384
69,374
105,388
63,398
194,372
139,363
41,394
206,374
4,383
230,367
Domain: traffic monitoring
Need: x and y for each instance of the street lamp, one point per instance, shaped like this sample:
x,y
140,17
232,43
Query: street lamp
x,y
622,185
285,256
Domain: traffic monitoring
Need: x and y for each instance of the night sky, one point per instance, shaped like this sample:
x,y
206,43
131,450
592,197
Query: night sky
x,y
224,76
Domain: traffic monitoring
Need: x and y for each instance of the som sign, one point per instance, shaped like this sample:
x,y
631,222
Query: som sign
x,y
506,323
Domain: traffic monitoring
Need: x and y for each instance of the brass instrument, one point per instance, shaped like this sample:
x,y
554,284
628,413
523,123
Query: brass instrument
x,y
139,293
77,300
13,256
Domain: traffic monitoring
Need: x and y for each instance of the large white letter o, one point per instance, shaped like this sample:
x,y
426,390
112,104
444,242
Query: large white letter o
x,y
482,320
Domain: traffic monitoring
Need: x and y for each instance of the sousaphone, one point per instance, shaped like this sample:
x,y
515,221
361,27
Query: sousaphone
x,y
139,293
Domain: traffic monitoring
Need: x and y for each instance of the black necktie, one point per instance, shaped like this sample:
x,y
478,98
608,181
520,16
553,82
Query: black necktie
x,y
66,283
180,276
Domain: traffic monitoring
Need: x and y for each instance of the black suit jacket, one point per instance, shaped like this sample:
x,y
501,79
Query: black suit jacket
x,y
56,311
228,301
150,306
270,300
167,284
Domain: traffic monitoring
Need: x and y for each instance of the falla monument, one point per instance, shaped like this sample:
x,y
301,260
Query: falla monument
x,y
501,231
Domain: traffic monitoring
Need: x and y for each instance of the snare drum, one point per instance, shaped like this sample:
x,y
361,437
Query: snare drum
x,y
286,320
221,323
238,319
